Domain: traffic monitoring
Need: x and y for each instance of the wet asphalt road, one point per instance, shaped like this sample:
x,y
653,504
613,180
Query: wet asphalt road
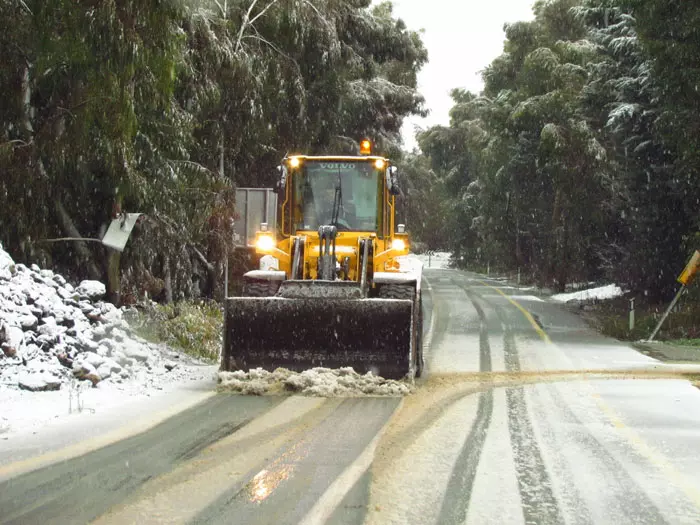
x,y
525,416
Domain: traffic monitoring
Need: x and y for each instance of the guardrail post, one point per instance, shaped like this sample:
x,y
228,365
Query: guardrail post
x,y
631,314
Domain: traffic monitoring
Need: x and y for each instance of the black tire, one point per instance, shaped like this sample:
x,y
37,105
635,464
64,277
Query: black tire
x,y
397,291
420,363
259,288
408,291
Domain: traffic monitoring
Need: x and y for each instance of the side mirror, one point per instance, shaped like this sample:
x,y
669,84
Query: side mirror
x,y
392,180
282,180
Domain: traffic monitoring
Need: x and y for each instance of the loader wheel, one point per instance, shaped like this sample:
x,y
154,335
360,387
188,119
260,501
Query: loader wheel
x,y
408,291
259,288
420,363
397,291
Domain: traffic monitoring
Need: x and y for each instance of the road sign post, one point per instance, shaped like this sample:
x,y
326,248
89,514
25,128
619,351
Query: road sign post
x,y
685,278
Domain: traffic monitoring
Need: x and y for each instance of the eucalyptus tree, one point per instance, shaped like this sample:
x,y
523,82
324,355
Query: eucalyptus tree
x,y
162,107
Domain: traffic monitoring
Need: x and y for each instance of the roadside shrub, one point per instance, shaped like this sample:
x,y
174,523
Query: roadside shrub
x,y
195,327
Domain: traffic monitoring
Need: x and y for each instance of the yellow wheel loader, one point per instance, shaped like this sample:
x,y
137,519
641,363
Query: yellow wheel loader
x,y
334,288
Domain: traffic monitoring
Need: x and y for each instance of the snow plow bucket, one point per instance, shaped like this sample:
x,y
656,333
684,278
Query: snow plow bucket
x,y
301,333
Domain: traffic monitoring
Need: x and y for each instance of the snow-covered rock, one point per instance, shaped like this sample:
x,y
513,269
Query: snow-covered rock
x,y
52,333
6,262
135,351
28,322
93,290
11,337
39,382
94,359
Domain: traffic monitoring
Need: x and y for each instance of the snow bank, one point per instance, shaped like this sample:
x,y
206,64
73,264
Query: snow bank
x,y
52,334
6,262
409,263
438,261
603,292
319,382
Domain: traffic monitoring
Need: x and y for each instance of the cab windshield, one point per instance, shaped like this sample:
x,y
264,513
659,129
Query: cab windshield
x,y
347,194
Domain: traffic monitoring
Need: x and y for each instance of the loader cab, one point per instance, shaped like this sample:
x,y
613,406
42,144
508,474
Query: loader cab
x,y
334,208
345,193
353,193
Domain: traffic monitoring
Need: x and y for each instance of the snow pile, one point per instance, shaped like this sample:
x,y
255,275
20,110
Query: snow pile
x,y
603,292
52,333
436,261
409,263
319,382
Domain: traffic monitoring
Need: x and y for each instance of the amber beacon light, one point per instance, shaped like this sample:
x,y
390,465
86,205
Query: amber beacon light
x,y
365,147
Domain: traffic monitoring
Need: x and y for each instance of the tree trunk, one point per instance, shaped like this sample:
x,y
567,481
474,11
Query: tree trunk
x,y
69,229
211,272
28,112
552,258
168,280
114,288
222,157
563,267
518,243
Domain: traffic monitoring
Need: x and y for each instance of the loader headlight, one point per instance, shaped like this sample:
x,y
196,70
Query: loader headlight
x,y
265,243
399,245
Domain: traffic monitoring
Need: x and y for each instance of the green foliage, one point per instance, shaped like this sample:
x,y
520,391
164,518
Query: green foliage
x,y
193,327
686,342
578,159
683,324
163,107
425,210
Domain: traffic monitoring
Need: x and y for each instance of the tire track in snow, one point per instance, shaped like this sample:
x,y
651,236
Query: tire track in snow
x,y
540,506
82,488
459,489
624,500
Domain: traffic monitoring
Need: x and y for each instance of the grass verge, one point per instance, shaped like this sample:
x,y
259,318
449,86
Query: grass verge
x,y
195,328
612,319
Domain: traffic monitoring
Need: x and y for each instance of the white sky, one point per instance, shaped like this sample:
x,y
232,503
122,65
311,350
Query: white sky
x,y
462,38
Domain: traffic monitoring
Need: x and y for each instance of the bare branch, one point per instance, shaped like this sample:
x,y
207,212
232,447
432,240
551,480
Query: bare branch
x,y
195,165
221,7
23,4
18,142
209,266
244,24
323,19
248,22
271,45
261,13
73,239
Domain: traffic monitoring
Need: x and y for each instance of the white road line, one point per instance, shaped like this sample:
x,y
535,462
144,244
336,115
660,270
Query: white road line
x,y
334,495
428,338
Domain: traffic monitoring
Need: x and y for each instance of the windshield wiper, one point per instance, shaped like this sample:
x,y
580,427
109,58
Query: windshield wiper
x,y
337,201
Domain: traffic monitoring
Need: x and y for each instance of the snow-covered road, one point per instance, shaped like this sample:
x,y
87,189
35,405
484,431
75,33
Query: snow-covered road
x,y
525,416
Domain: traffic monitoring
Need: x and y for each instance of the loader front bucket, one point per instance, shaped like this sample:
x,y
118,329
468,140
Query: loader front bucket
x,y
301,333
